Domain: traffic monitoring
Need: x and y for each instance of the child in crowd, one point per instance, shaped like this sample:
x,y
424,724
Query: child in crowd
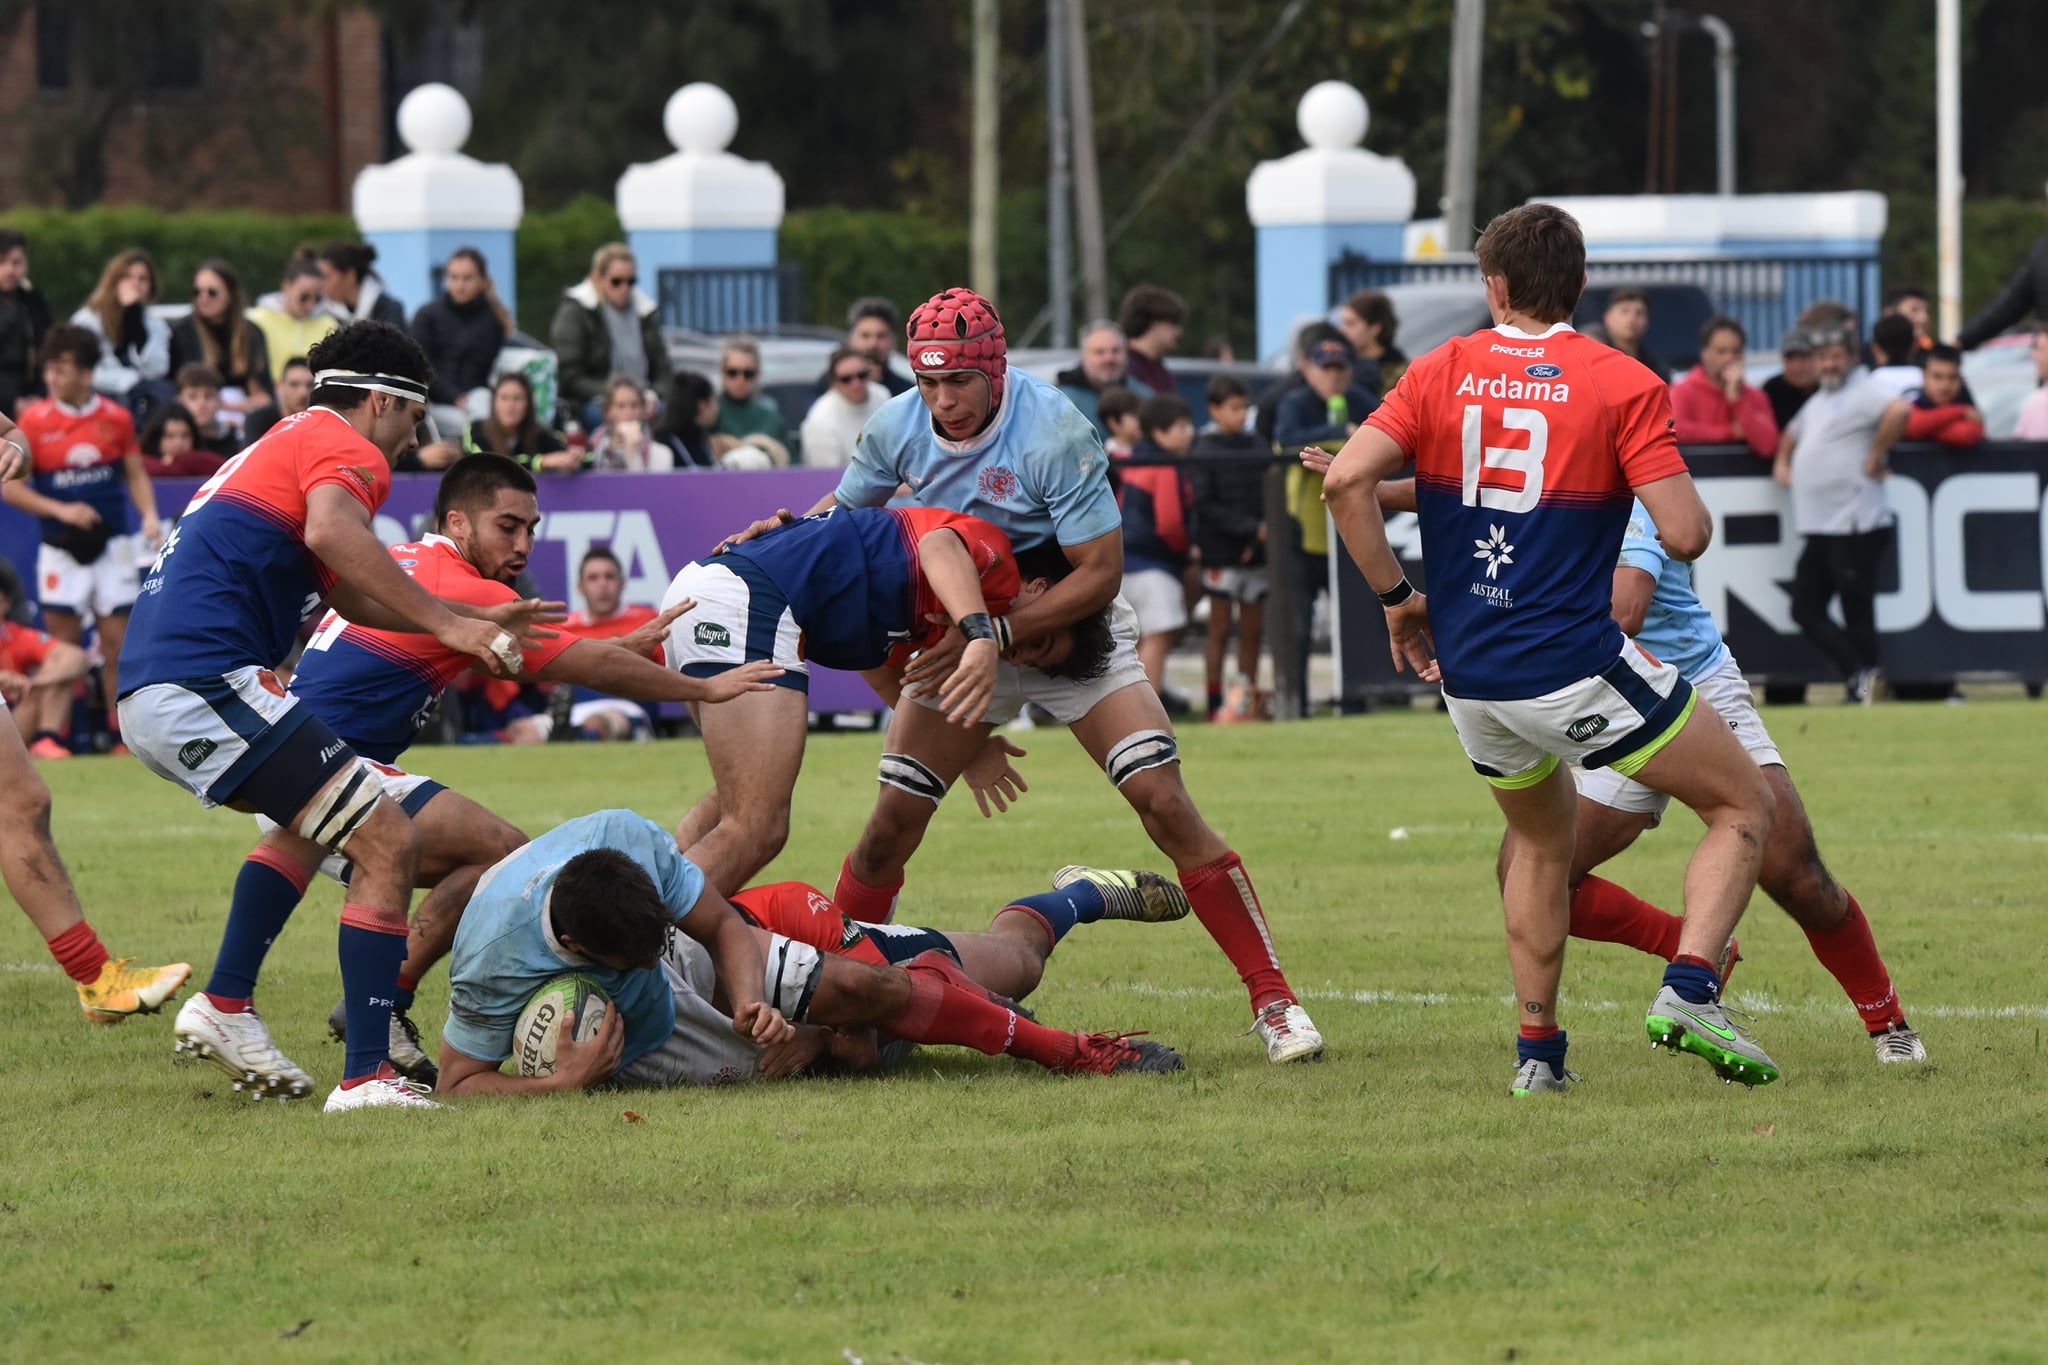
x,y
1118,411
625,441
1230,534
1158,507
199,388
171,449
1940,412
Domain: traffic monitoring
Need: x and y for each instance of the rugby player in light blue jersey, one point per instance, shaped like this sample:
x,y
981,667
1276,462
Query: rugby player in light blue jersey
x,y
1009,448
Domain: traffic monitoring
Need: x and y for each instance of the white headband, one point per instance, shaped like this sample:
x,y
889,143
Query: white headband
x,y
396,385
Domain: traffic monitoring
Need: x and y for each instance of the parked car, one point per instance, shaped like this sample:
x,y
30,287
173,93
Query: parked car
x,y
792,363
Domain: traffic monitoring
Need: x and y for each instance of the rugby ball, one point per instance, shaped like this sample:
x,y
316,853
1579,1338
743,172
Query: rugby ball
x,y
567,998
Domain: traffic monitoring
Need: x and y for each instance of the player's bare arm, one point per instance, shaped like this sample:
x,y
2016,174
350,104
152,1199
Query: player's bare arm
x,y
1684,525
79,514
1633,589
1781,464
1097,573
1891,429
602,666
942,557
736,957
578,1066
338,531
783,517
14,456
1352,492
142,492
645,640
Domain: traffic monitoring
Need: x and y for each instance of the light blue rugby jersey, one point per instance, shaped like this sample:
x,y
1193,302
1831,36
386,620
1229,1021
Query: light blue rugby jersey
x,y
1678,628
504,950
1037,471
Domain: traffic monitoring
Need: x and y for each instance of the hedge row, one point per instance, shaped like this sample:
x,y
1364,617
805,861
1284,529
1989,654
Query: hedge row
x,y
844,253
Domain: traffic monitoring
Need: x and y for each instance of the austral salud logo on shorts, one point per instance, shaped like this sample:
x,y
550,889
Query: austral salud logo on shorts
x,y
196,752
1585,727
712,634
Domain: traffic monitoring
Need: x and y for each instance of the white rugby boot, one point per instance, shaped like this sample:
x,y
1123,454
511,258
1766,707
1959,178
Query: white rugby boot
x,y
239,1045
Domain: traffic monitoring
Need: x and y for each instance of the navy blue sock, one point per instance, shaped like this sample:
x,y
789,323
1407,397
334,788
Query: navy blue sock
x,y
401,999
1080,903
264,900
370,959
1549,1050
1694,981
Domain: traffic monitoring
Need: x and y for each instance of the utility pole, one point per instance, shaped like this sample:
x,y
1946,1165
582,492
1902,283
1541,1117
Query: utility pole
x,y
1059,244
1461,155
1087,184
982,191
1724,102
1948,163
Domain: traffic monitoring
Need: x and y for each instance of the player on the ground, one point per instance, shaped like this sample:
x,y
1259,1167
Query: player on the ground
x,y
582,711
374,688
1655,603
109,989
1527,439
1005,446
282,525
609,895
38,677
851,588
87,470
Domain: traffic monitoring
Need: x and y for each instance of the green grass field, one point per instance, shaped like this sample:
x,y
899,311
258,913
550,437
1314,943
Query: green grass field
x,y
1392,1203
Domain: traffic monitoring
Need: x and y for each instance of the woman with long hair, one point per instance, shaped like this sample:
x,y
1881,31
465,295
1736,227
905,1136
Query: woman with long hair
x,y
516,432
217,332
135,344
462,332
170,446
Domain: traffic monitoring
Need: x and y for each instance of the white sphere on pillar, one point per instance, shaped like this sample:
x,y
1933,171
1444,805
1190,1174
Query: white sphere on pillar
x,y
700,118
1332,116
434,118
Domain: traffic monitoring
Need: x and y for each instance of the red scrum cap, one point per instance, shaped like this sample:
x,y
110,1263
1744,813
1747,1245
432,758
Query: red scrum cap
x,y
958,330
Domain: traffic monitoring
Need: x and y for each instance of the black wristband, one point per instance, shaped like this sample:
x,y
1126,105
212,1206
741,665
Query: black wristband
x,y
1003,637
1396,595
977,627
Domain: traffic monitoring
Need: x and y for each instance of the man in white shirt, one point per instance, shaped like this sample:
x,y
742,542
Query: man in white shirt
x,y
833,424
1838,507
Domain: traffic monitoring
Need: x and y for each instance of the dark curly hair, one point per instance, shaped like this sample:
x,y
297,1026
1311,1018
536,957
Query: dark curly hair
x,y
365,348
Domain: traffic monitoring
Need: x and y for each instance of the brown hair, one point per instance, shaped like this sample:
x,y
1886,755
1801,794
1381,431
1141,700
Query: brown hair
x,y
1373,308
1629,293
103,303
1147,304
476,258
1540,253
236,361
199,376
1116,401
521,440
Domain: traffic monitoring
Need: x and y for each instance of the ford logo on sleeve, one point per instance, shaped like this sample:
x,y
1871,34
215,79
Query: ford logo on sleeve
x,y
1542,371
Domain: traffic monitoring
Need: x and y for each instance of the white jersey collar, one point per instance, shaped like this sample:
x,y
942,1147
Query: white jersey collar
x,y
547,929
1520,335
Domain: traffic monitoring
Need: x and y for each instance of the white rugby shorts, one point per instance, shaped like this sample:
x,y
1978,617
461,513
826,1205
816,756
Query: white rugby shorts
x,y
1159,598
740,616
411,791
1725,689
1619,716
1063,698
1237,585
702,1048
109,584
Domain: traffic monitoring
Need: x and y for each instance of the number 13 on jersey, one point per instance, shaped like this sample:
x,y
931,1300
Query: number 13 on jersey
x,y
1505,478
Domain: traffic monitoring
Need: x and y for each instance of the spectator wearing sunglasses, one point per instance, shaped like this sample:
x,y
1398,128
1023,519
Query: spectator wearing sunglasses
x,y
834,421
606,326
216,333
743,410
291,319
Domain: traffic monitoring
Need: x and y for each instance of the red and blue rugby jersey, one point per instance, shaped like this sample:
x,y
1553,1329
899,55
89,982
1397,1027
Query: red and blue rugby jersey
x,y
376,688
234,580
1526,448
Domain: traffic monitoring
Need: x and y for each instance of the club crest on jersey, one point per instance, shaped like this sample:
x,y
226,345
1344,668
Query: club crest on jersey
x,y
998,484
1542,371
712,634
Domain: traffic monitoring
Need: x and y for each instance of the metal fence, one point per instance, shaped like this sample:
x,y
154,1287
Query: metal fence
x,y
720,299
1764,294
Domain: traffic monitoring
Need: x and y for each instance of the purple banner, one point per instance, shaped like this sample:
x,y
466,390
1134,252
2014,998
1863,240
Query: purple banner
x,y
654,523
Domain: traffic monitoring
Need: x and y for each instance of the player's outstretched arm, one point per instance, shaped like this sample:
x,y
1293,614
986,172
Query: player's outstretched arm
x,y
1684,525
1095,575
578,1066
736,957
338,531
604,667
1352,491
942,557
142,492
783,517
14,456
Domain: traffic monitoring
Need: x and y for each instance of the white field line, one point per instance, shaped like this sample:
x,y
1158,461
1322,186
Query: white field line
x,y
1751,1003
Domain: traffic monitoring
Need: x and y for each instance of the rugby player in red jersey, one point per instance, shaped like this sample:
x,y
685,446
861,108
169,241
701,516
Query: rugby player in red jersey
x,y
1527,440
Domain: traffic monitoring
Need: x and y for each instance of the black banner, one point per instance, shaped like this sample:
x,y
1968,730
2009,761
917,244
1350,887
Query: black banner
x,y
1965,586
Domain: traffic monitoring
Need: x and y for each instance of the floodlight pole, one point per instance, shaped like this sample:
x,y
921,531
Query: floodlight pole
x,y
1059,243
982,188
1948,163
1724,102
1461,153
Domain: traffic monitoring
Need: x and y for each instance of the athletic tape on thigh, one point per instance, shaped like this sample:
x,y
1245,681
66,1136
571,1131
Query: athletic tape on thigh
x,y
1145,749
792,976
906,774
342,807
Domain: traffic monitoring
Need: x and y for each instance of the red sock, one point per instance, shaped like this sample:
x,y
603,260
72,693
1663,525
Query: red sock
x,y
1229,909
79,952
1608,913
941,1012
1536,1033
228,1004
869,904
407,983
1850,955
